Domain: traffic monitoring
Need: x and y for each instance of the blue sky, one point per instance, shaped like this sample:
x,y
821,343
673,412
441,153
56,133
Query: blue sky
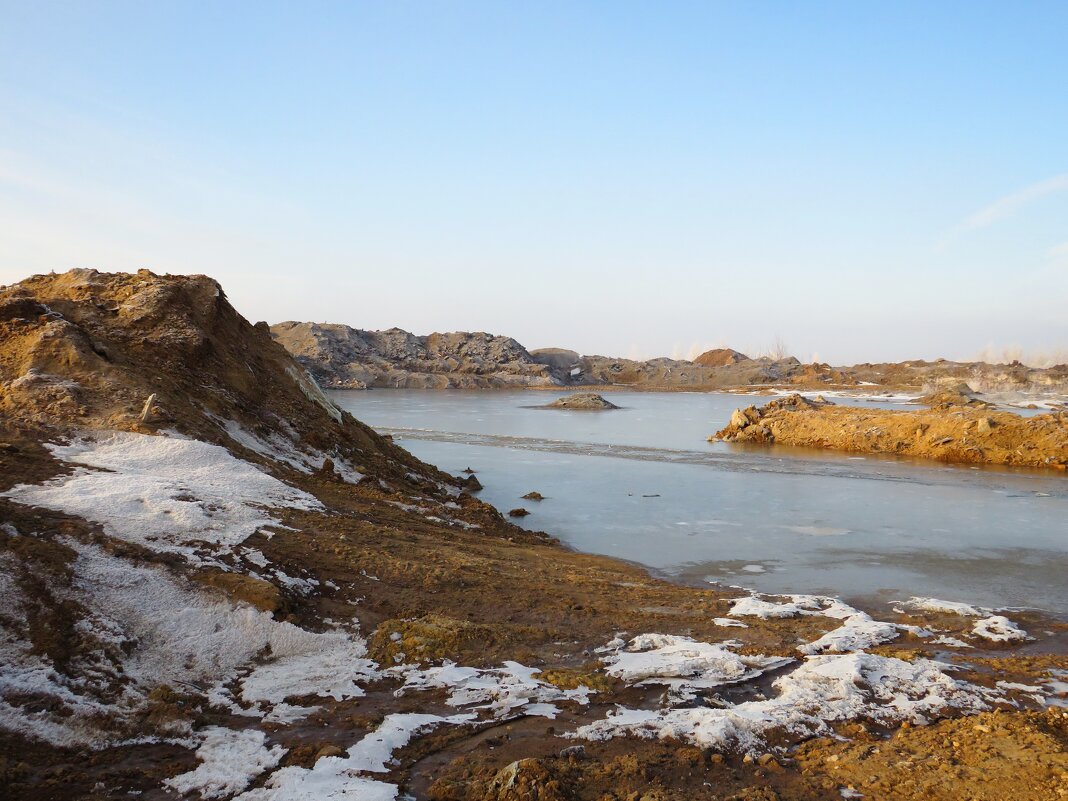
x,y
862,181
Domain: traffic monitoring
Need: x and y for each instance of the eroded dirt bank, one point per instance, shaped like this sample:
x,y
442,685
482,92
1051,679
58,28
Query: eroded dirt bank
x,y
950,432
234,590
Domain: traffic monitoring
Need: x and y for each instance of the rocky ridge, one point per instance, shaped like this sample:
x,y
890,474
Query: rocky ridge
x,y
341,357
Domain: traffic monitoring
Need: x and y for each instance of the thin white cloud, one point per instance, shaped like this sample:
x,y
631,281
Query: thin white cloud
x,y
1010,204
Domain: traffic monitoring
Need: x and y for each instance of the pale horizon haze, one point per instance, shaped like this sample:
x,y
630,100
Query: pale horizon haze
x,y
861,182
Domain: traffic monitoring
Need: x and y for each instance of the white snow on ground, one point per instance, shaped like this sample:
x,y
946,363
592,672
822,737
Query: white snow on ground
x,y
754,606
948,607
337,777
998,628
1056,689
285,449
858,632
274,446
328,665
229,760
156,629
952,642
507,690
312,391
165,494
26,673
685,665
726,621
822,690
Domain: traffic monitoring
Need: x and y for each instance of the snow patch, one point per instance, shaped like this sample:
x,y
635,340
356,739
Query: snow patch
x,y
859,631
822,690
946,607
337,777
998,628
165,494
154,629
503,691
229,760
685,665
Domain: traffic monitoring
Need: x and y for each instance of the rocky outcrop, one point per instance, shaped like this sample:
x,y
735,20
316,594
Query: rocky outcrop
x,y
949,433
582,401
340,357
959,395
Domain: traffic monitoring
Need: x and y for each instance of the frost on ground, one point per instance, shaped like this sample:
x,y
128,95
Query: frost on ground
x,y
338,777
229,760
823,690
285,449
995,628
152,629
998,628
685,665
507,690
857,632
947,607
167,494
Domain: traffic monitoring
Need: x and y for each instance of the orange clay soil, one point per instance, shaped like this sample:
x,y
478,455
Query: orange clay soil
x,y
947,433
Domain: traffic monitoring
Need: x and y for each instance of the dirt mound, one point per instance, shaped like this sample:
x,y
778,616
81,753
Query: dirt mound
x,y
720,357
582,401
953,396
948,433
145,352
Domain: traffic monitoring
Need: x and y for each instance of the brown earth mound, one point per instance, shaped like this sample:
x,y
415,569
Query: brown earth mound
x,y
720,357
145,353
948,433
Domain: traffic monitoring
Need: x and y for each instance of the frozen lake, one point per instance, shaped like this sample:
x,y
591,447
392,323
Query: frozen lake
x,y
643,484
